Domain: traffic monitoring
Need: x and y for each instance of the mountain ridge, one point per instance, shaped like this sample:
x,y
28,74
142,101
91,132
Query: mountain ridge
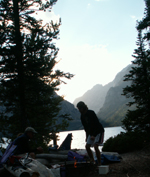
x,y
91,95
107,101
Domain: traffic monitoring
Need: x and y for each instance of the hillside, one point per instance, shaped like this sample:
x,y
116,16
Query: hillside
x,y
107,100
115,108
68,108
95,97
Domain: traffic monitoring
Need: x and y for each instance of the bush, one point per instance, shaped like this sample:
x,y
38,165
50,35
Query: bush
x,y
125,142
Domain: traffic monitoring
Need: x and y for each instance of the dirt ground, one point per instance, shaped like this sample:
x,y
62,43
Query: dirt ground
x,y
133,164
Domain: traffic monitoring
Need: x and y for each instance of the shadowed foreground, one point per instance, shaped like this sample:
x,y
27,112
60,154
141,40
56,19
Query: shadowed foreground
x,y
133,164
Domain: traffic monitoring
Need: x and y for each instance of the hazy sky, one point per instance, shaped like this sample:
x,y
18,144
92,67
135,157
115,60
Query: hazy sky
x,y
97,39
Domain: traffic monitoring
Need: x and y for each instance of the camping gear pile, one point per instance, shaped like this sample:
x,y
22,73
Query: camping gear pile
x,y
61,162
28,167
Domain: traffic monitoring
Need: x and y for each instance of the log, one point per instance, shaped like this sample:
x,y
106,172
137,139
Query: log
x,y
52,156
112,153
63,152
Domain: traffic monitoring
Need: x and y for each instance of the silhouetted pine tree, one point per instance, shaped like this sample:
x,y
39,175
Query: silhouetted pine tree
x,y
139,75
35,74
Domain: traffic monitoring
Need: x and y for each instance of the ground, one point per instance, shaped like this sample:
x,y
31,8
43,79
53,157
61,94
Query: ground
x,y
133,164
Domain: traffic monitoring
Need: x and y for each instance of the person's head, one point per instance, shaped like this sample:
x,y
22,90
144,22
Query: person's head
x,y
82,107
29,131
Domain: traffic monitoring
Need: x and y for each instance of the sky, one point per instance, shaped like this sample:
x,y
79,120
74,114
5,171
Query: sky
x,y
97,40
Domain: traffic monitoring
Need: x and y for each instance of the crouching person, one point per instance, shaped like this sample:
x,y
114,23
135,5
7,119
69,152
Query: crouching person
x,y
22,143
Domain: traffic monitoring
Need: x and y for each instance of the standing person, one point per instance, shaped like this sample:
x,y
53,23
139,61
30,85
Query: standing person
x,y
22,143
94,131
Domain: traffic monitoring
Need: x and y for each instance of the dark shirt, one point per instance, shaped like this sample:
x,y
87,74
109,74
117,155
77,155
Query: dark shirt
x,y
22,143
91,124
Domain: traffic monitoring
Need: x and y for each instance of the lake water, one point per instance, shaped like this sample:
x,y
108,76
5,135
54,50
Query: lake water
x,y
78,139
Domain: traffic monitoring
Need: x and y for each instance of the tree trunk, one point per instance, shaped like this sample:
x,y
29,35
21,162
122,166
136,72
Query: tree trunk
x,y
19,57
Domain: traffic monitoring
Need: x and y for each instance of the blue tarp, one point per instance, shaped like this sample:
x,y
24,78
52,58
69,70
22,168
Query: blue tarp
x,y
66,144
72,156
105,159
8,152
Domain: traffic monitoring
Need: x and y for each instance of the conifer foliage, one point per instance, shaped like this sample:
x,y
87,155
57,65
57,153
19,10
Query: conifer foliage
x,y
139,76
28,80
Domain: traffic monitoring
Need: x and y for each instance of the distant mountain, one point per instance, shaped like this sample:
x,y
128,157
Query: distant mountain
x,y
68,108
95,97
107,100
115,108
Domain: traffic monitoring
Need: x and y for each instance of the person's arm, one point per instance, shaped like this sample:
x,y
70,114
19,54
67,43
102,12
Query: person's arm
x,y
85,128
94,124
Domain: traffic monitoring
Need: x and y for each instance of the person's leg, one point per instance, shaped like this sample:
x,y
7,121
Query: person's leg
x,y
98,154
88,148
98,141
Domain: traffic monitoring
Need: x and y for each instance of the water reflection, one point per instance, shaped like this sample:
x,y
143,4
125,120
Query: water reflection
x,y
78,139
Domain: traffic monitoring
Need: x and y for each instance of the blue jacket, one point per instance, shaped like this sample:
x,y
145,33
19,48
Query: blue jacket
x,y
22,143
